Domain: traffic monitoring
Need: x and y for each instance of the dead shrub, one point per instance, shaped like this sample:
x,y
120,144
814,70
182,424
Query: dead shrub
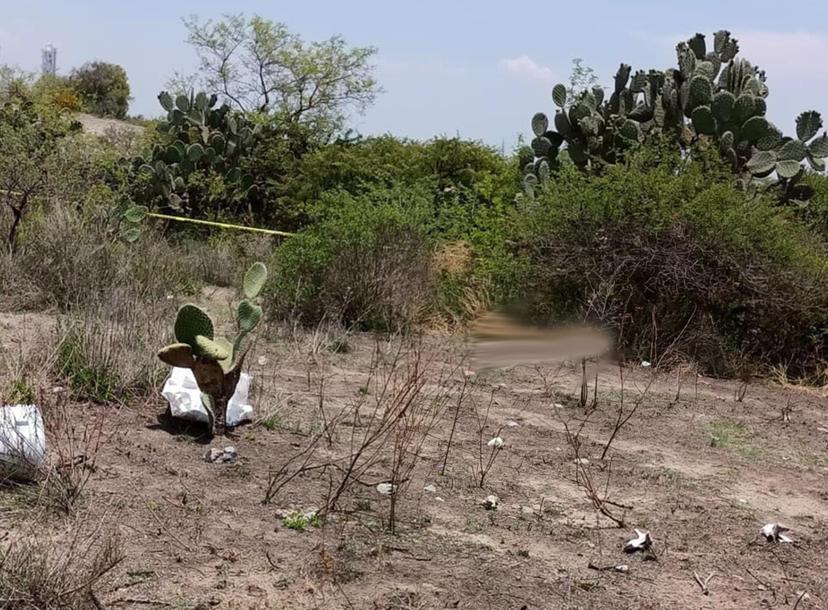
x,y
672,292
43,572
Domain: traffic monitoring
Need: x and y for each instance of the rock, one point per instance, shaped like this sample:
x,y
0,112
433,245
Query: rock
x,y
641,542
262,360
221,456
491,502
496,442
512,424
430,488
439,499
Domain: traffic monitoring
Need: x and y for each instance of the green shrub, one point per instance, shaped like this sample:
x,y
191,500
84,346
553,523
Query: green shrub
x,y
671,255
366,262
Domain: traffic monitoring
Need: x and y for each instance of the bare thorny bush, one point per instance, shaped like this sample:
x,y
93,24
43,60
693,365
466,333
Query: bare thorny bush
x,y
389,424
57,570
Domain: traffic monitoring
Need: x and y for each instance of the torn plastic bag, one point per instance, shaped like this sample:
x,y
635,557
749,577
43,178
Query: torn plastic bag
x,y
184,397
22,440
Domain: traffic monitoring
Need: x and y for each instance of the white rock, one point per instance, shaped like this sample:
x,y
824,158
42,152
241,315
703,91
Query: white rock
x,y
491,502
496,442
773,532
641,542
430,488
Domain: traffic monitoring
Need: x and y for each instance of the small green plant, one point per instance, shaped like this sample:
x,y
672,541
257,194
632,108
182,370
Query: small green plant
x,y
215,361
20,391
88,378
300,521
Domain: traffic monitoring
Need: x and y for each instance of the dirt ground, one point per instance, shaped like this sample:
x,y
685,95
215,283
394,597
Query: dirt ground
x,y
695,466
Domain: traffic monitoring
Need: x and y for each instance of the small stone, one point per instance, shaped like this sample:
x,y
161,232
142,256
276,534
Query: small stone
x,y
262,360
496,442
491,502
430,488
221,456
558,405
512,424
439,499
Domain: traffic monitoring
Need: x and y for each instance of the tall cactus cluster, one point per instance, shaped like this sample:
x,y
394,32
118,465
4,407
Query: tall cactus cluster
x,y
199,137
216,361
711,95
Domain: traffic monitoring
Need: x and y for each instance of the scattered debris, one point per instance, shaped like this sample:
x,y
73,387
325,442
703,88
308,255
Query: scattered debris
x,y
385,489
221,456
703,583
430,488
623,568
512,424
773,532
496,442
491,502
641,542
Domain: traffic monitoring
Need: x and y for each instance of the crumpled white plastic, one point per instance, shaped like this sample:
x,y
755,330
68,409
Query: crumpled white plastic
x,y
22,439
182,393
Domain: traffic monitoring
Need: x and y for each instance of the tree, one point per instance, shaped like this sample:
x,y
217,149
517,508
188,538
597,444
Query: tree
x,y
29,137
103,88
259,65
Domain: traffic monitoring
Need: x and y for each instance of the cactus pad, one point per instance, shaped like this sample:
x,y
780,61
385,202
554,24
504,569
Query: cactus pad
x,y
788,168
761,163
211,350
793,150
177,354
808,125
703,121
540,124
819,147
190,322
559,95
254,280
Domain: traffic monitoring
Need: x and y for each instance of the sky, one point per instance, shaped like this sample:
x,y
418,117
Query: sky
x,y
479,69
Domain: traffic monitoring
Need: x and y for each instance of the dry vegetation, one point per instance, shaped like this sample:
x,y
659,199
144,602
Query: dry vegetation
x,y
361,484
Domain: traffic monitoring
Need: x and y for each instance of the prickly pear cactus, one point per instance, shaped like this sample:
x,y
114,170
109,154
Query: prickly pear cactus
x,y
216,361
712,95
198,138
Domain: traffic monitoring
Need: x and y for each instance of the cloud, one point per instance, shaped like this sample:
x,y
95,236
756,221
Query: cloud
x,y
526,68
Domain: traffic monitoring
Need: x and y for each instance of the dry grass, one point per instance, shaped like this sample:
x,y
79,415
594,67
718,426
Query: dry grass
x,y
59,571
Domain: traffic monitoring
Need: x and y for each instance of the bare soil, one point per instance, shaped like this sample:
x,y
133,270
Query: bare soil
x,y
701,471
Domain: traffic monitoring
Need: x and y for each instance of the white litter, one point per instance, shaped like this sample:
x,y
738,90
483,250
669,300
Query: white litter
x,y
227,455
491,502
646,364
773,532
430,488
385,488
184,397
22,440
496,442
641,542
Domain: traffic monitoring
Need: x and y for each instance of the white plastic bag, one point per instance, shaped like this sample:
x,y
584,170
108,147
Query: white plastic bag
x,y
22,440
182,393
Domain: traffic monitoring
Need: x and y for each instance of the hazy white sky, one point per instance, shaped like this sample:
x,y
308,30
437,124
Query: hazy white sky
x,y
478,68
